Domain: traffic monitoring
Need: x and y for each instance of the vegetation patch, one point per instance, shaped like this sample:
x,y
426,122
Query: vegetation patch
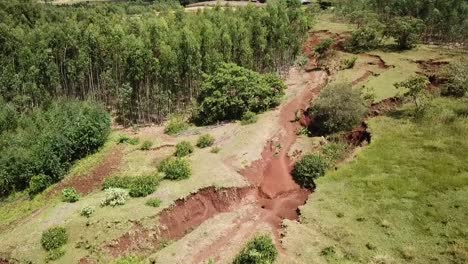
x,y
54,238
308,169
114,197
153,202
249,118
175,168
205,141
183,148
70,195
138,186
261,249
176,125
87,211
146,145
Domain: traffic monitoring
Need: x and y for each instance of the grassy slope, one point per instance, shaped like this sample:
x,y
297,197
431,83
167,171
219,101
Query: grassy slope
x,y
403,199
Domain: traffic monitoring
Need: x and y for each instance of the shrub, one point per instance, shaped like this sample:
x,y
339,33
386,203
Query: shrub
x,y
175,126
307,169
334,151
38,183
348,63
405,30
175,168
183,149
154,202
323,47
363,39
206,140
215,150
87,211
129,260
146,145
457,75
338,108
114,197
248,118
133,141
122,182
123,139
259,250
415,88
232,90
54,238
142,186
70,195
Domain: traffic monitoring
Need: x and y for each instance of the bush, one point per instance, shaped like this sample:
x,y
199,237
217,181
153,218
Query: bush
x,y
143,186
146,145
232,90
114,197
334,151
55,254
259,250
205,141
338,108
175,168
123,139
175,126
405,30
362,40
154,202
215,150
348,63
38,183
87,211
323,47
248,118
457,75
54,238
122,182
307,169
416,88
129,260
70,195
133,141
183,149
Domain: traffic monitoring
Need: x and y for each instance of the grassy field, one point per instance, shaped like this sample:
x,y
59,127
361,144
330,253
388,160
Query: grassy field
x,y
403,199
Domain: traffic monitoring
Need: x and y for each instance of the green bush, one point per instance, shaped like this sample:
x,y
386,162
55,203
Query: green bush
x,y
259,250
457,76
232,90
123,139
205,141
54,238
248,118
70,195
38,183
123,182
87,211
362,40
143,186
307,169
47,142
183,148
146,145
154,202
334,151
133,141
129,260
323,47
175,168
338,108
114,197
405,30
55,254
348,63
175,126
215,150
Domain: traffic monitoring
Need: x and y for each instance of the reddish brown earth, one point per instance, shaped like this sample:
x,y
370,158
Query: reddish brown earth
x,y
385,106
85,184
4,261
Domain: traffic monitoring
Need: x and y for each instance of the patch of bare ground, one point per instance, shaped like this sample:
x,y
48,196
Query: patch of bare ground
x,y
314,63
431,69
92,181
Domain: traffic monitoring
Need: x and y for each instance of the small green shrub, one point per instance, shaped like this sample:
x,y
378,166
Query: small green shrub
x,y
334,151
363,39
146,145
328,251
175,168
175,126
70,195
114,197
307,169
215,150
259,250
206,140
123,182
457,75
183,149
54,254
87,211
142,186
323,47
123,139
348,63
301,60
38,183
129,260
134,141
248,118
54,238
153,202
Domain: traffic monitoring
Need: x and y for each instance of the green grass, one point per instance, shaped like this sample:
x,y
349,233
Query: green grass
x,y
402,199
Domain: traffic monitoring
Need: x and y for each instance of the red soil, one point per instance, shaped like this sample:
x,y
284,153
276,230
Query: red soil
x,y
85,184
4,261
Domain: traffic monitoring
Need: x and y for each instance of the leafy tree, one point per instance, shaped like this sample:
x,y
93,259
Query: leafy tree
x,y
307,169
363,39
405,30
457,75
183,148
338,108
259,250
416,88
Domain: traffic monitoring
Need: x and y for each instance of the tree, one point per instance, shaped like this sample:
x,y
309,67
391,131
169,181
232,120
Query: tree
x,y
307,169
259,250
457,75
338,108
416,88
405,30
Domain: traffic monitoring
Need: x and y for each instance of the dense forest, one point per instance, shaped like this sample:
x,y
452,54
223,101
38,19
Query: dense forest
x,y
141,61
444,20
